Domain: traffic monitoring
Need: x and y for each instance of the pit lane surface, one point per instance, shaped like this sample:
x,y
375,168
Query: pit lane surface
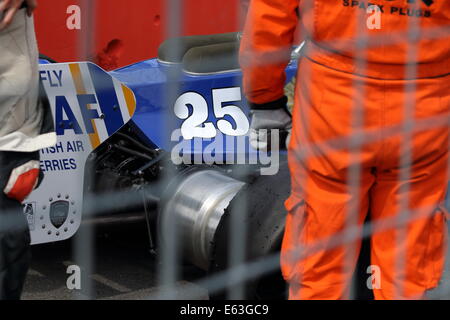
x,y
123,269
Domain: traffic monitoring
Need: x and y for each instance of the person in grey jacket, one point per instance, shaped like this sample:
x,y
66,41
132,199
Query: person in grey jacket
x,y
26,126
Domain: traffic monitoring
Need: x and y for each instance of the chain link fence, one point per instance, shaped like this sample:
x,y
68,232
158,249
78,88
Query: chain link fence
x,y
207,213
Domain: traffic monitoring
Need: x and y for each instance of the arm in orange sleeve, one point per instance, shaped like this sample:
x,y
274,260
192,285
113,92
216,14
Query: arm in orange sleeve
x,y
265,49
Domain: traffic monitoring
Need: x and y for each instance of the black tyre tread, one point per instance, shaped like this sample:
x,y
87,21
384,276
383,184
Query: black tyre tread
x,y
264,223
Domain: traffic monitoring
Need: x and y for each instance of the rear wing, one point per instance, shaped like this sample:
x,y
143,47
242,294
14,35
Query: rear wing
x,y
88,106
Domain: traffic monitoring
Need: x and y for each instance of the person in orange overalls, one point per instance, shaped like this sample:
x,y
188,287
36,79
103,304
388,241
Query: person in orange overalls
x,y
369,134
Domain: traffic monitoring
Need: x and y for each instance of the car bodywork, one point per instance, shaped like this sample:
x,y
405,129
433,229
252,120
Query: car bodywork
x,y
164,106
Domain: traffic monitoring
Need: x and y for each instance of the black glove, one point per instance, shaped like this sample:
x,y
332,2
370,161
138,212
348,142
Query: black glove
x,y
267,117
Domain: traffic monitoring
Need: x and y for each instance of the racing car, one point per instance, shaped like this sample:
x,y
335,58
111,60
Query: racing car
x,y
168,138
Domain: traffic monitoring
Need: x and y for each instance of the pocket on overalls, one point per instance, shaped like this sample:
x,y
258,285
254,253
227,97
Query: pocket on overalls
x,y
292,238
437,246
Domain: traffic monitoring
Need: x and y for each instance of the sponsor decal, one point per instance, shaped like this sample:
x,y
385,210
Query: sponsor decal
x,y
413,8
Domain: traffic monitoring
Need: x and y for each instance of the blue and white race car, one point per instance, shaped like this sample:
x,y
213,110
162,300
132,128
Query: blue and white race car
x,y
168,138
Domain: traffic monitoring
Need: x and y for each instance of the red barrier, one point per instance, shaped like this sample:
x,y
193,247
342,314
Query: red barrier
x,y
127,31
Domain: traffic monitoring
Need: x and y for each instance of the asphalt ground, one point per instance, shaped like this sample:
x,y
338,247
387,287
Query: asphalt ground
x,y
123,269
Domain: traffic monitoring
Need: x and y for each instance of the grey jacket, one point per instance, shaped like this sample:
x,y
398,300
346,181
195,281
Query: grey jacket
x,y
26,123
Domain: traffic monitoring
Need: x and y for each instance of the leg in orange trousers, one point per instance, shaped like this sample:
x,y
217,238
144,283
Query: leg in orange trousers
x,y
337,180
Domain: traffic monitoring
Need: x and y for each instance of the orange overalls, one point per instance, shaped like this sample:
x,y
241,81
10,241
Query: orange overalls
x,y
370,134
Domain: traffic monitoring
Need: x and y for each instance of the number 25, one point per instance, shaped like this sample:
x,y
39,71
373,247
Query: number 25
x,y
196,125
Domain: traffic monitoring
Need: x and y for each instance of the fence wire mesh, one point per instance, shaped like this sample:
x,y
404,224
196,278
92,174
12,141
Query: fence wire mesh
x,y
231,280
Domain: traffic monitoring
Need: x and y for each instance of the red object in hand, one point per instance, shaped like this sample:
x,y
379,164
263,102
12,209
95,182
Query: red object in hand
x,y
22,181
